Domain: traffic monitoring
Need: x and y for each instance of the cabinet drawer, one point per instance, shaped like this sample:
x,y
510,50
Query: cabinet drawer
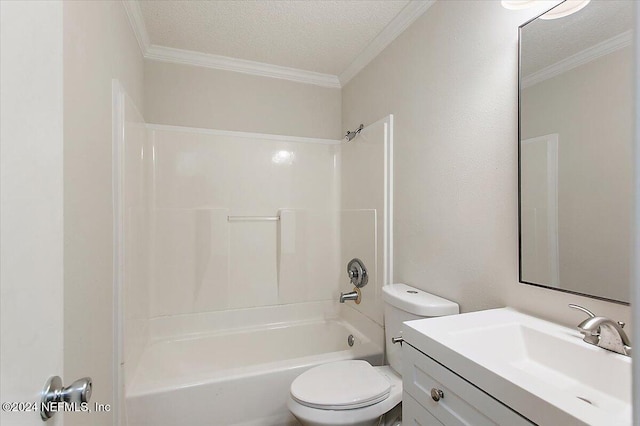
x,y
414,414
461,404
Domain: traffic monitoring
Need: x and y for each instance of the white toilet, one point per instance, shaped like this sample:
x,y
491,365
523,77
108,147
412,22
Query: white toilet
x,y
353,392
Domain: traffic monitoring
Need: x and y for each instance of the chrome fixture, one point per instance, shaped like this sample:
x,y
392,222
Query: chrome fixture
x,y
79,392
395,340
352,295
604,332
357,273
358,276
351,340
352,134
436,394
253,218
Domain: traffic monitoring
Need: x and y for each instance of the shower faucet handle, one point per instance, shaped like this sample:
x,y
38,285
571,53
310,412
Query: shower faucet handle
x,y
357,273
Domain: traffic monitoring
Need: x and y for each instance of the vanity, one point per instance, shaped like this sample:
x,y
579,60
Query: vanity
x,y
504,367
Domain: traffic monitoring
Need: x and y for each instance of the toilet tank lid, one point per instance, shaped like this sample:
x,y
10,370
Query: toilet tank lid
x,y
418,302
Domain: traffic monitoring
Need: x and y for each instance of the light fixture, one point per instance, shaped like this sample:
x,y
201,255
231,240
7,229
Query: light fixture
x,y
565,8
517,4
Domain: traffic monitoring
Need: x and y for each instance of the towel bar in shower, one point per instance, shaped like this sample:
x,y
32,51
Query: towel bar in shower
x,y
253,218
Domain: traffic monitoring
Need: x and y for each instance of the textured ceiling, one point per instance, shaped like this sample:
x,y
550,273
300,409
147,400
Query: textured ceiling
x,y
322,36
545,42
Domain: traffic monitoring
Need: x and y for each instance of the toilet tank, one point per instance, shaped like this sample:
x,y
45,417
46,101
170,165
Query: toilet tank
x,y
405,303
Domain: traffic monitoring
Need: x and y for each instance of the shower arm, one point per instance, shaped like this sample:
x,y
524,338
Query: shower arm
x,y
352,134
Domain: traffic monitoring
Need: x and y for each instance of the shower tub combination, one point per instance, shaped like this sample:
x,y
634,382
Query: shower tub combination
x,y
241,373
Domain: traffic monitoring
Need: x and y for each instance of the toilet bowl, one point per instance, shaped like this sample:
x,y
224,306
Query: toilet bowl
x,y
353,392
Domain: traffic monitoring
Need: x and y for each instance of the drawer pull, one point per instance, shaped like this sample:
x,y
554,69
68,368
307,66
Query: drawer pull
x,y
436,394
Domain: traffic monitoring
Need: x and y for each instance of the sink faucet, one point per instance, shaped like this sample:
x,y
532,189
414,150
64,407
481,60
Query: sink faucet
x,y
604,332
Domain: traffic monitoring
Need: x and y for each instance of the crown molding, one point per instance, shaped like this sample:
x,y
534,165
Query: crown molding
x,y
187,57
587,55
412,11
137,24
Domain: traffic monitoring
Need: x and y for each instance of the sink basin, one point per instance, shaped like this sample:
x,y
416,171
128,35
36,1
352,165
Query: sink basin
x,y
542,370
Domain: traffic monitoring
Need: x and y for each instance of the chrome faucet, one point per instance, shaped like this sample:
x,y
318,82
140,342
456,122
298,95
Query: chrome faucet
x,y
359,277
352,295
604,332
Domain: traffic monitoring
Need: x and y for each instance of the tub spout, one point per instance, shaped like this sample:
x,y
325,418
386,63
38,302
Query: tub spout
x,y
352,295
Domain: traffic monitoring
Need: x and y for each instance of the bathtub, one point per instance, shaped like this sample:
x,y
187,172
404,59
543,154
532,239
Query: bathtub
x,y
241,376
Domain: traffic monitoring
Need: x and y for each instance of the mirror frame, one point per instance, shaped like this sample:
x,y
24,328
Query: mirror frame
x,y
520,279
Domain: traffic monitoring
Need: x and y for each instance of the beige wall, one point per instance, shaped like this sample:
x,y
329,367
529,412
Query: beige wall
x,y
451,82
594,221
98,45
184,95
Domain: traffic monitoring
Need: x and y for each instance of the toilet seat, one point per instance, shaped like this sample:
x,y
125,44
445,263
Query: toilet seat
x,y
365,416
342,385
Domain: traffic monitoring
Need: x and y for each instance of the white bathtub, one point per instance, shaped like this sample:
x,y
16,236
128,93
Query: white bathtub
x,y
239,376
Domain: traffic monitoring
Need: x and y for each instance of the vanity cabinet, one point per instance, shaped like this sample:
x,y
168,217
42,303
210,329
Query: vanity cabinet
x,y
434,395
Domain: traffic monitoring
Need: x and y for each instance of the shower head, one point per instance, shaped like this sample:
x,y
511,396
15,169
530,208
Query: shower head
x,y
352,134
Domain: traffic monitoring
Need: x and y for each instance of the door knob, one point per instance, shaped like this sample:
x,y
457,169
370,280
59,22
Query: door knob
x,y
77,393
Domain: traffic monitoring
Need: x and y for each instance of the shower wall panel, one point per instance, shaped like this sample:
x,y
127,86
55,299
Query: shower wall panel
x,y
203,261
366,204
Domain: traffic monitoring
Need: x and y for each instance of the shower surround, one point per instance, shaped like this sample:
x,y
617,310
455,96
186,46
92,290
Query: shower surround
x,y
234,250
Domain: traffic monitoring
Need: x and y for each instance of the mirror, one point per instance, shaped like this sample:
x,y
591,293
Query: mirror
x,y
575,150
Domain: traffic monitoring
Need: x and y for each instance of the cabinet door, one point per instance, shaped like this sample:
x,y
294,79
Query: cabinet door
x,y
460,403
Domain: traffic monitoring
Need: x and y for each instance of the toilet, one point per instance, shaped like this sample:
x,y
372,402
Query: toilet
x,y
353,392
